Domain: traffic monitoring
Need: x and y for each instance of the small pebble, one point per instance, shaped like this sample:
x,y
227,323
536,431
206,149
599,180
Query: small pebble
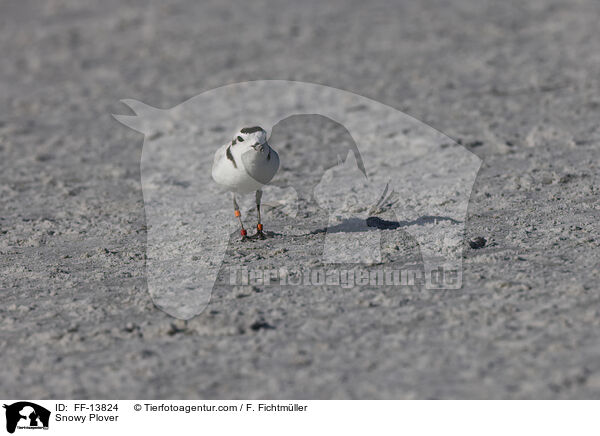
x,y
261,325
477,243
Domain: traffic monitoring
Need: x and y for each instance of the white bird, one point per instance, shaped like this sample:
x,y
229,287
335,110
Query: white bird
x,y
244,165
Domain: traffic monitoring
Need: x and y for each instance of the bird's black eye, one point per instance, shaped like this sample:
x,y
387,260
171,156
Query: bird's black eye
x,y
239,138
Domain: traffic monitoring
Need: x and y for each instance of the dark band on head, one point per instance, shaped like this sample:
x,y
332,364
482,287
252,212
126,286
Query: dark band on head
x,y
252,129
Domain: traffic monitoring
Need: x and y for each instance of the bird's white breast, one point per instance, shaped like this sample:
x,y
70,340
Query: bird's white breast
x,y
251,171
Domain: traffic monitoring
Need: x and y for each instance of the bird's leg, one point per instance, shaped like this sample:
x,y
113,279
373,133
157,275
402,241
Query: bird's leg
x,y
259,226
238,214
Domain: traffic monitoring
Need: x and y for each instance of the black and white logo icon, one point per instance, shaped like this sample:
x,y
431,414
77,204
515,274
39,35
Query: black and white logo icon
x,y
26,415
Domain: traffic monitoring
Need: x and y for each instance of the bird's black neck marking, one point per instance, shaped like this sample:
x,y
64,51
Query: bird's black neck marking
x,y
230,156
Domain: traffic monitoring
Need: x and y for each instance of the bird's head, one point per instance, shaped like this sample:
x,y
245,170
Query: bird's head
x,y
250,139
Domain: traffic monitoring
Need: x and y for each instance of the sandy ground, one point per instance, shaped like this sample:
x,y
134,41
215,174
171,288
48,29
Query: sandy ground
x,y
517,84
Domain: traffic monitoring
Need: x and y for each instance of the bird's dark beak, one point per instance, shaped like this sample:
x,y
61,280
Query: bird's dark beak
x,y
258,146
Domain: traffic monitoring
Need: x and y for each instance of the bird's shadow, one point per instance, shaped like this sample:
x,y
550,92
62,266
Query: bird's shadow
x,y
372,223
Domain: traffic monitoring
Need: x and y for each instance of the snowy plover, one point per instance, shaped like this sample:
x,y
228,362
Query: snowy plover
x,y
245,165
